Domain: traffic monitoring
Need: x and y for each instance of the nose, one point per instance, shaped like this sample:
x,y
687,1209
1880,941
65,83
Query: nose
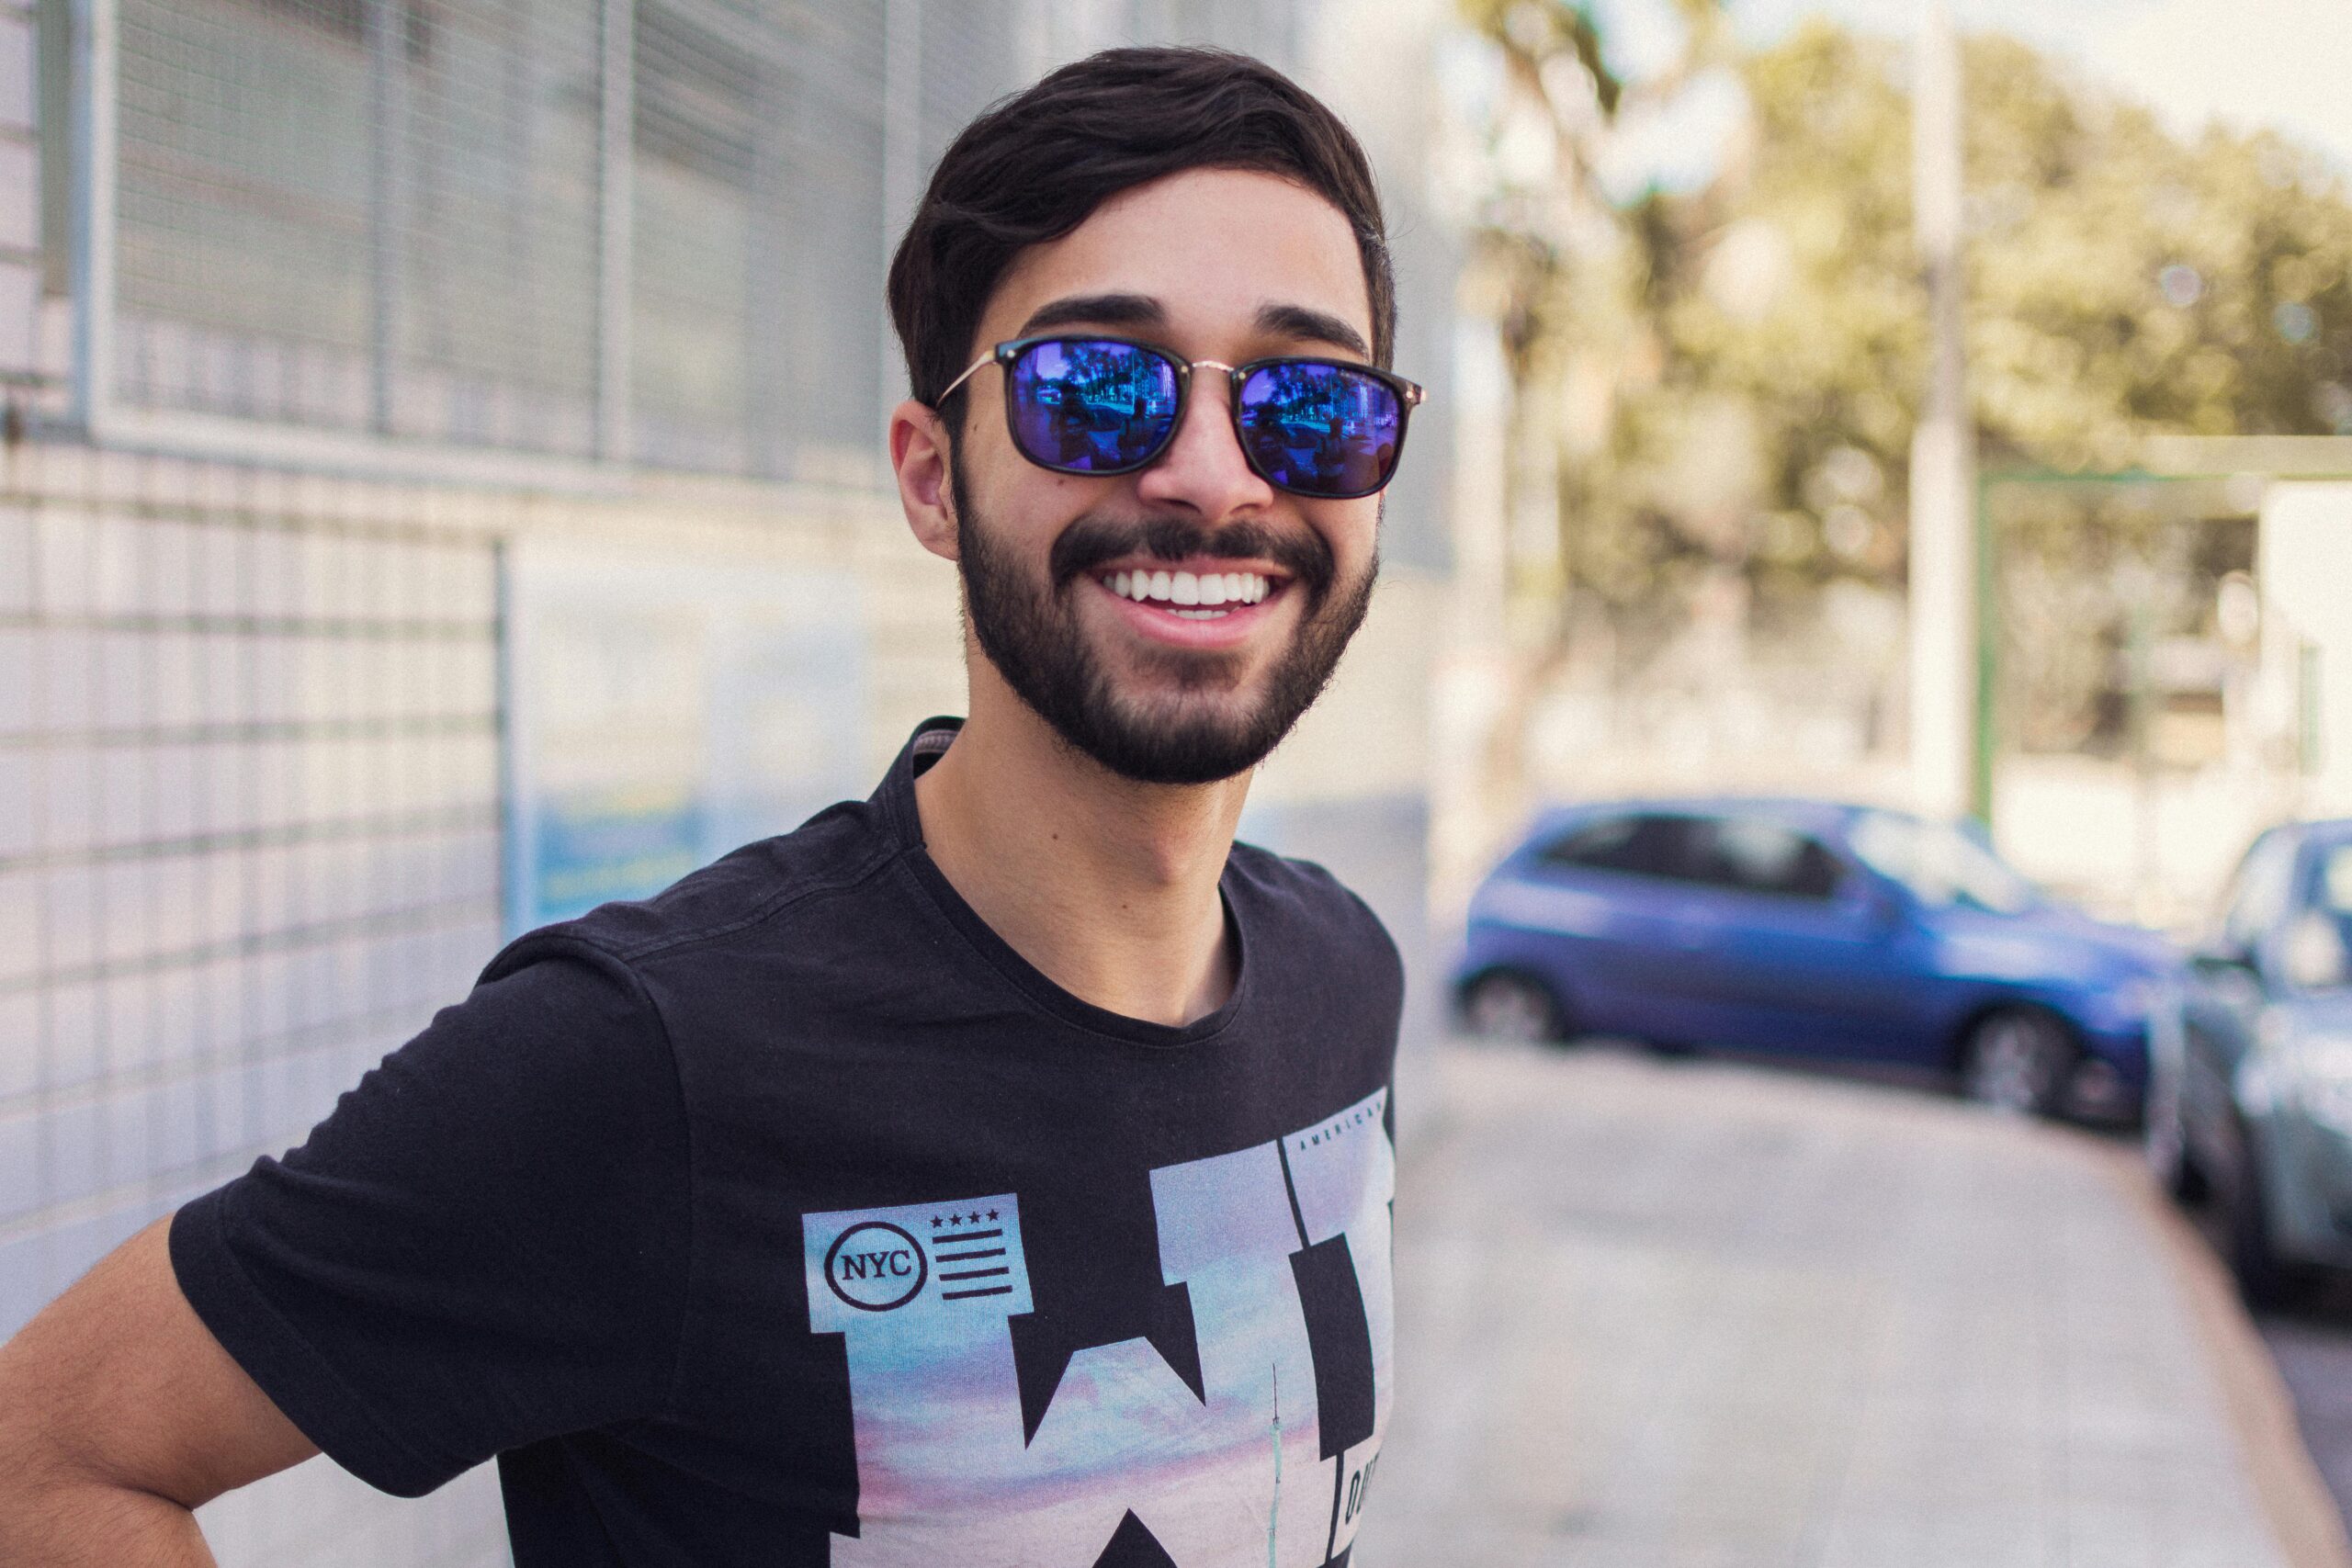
x,y
1203,471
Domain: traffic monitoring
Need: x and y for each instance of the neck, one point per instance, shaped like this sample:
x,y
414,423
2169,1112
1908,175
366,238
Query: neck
x,y
1108,887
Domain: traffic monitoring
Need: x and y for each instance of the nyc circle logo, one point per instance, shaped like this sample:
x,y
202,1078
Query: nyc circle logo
x,y
875,1266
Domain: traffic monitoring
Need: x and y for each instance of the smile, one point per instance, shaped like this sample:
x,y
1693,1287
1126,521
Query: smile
x,y
1195,597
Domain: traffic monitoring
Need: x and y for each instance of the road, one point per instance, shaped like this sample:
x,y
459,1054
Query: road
x,y
2314,1348
1683,1314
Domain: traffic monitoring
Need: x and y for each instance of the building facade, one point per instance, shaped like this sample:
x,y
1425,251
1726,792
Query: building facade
x,y
440,488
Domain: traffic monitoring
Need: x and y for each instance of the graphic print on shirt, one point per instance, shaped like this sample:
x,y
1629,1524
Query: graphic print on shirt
x,y
1225,1411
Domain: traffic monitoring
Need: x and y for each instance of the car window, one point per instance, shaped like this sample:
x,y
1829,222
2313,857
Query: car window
x,y
2259,892
1755,855
1939,863
2315,952
2332,889
1640,843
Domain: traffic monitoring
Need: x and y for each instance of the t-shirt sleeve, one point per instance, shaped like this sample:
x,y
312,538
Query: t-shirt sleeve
x,y
485,1244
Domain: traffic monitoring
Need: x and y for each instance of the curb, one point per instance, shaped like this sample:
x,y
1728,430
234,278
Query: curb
x,y
2287,1484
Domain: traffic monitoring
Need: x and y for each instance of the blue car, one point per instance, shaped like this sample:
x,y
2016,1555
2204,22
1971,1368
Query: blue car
x,y
1805,929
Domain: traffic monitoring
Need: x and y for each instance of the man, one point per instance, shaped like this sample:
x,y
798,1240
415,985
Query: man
x,y
993,1171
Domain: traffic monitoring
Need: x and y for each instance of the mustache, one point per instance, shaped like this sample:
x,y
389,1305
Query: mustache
x,y
1092,541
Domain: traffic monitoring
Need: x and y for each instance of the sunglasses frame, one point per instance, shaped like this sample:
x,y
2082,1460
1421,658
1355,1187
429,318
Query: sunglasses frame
x,y
1409,395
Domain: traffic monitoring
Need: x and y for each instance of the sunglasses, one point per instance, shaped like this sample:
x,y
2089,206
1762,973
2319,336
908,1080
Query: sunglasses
x,y
1325,428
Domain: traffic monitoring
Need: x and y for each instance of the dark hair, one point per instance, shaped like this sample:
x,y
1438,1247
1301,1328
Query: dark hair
x,y
1035,166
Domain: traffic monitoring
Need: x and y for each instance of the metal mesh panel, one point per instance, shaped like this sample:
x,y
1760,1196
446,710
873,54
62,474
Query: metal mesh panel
x,y
362,214
386,215
759,233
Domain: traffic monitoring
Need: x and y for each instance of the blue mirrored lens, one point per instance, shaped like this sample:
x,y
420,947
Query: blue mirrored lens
x,y
1321,429
1086,406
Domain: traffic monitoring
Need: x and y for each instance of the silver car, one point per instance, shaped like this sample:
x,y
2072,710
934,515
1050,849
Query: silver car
x,y
2250,1087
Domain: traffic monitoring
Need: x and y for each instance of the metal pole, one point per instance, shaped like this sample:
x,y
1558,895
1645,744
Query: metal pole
x,y
386,27
95,164
1944,557
901,165
615,204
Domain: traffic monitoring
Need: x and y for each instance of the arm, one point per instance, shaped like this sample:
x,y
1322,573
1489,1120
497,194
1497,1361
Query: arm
x,y
120,1414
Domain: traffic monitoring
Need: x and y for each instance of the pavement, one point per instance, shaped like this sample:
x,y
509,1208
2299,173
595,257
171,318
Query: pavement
x,y
2312,1348
1686,1314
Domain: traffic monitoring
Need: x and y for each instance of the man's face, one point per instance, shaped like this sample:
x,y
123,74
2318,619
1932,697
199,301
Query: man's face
x,y
1213,265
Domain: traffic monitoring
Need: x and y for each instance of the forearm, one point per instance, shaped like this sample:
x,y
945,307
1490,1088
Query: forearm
x,y
91,1525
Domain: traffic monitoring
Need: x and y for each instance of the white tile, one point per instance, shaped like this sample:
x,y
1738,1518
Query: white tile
x,y
114,544
67,777
120,679
65,663
125,1134
19,287
19,1043
167,567
220,660
70,916
19,1163
15,679
24,1283
15,559
16,764
72,1046
126,909
171,904
179,679
74,1160
15,73
218,557
19,926
172,812
122,794
63,541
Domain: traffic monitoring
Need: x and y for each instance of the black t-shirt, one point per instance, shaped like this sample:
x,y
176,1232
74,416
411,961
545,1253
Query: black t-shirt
x,y
792,1218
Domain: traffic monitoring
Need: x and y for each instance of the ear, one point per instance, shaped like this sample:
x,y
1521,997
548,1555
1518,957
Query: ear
x,y
919,440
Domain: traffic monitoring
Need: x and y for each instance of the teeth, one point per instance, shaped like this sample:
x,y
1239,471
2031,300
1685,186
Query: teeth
x,y
1210,591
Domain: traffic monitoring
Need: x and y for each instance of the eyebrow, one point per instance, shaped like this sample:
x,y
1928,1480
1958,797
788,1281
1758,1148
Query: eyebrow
x,y
1097,310
1317,326
1295,322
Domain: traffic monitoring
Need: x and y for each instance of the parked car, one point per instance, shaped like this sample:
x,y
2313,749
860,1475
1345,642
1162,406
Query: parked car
x,y
2250,1099
1807,929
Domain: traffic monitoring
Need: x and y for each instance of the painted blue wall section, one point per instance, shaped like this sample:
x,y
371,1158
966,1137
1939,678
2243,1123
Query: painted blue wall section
x,y
660,715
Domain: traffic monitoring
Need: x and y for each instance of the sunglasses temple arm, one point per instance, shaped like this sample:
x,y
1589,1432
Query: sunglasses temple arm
x,y
971,370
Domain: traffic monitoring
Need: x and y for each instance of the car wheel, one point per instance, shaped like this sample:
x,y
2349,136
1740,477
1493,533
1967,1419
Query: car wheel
x,y
2017,1062
1504,1006
2265,1278
2164,1140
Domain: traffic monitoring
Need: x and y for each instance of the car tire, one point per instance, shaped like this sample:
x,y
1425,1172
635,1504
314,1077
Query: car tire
x,y
1503,1005
2017,1061
2164,1140
2265,1280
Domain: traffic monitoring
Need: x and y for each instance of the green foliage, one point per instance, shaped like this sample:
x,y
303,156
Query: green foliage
x,y
1755,351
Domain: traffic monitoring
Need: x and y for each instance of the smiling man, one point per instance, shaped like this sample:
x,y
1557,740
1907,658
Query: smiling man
x,y
995,1171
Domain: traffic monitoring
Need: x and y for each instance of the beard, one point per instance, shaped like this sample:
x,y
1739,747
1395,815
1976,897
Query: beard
x,y
1184,733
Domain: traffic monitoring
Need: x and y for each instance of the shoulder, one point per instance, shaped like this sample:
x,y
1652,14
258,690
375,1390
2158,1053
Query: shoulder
x,y
754,888
1307,907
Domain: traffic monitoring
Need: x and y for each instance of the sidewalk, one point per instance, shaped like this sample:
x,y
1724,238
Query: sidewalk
x,y
1667,1315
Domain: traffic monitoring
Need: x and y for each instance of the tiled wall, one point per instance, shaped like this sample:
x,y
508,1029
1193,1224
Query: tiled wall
x,y
248,841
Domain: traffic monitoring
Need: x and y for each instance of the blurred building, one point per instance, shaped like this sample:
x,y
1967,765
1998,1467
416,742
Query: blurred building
x,y
440,489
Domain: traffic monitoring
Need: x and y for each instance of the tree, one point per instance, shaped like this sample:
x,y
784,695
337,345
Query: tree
x,y
1743,360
